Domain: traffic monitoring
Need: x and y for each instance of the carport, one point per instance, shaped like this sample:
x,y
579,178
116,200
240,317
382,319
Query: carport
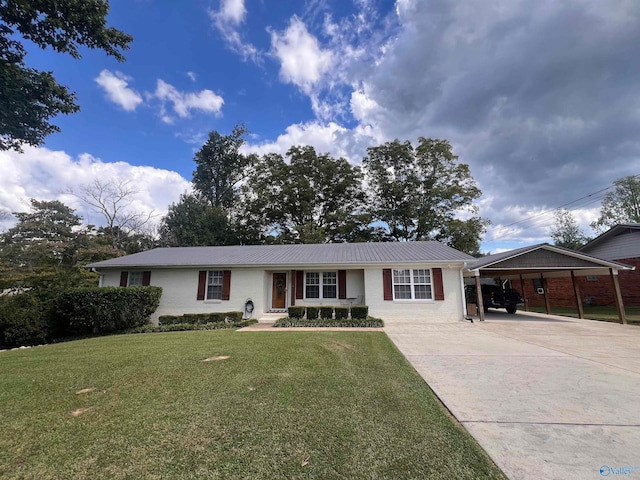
x,y
544,261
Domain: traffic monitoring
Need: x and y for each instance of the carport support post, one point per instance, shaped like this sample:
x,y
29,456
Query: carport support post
x,y
576,291
524,295
545,287
479,296
616,287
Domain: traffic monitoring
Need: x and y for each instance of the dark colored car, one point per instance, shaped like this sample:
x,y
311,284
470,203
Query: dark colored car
x,y
494,296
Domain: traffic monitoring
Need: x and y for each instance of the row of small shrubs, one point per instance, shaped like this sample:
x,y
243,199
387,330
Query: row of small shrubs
x,y
330,322
358,312
179,327
200,318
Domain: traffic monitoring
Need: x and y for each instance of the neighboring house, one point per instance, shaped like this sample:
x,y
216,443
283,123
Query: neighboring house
x,y
399,281
619,244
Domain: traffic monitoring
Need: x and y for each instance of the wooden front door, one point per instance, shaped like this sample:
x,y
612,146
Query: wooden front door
x,y
279,293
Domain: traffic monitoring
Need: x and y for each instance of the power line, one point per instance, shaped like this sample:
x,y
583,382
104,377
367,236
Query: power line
x,y
591,197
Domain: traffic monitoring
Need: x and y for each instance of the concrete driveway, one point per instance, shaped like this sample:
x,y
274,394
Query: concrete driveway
x,y
547,397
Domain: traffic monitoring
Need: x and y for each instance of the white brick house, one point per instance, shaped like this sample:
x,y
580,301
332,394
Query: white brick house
x,y
400,282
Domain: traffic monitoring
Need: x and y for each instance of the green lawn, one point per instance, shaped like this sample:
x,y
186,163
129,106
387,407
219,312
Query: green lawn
x,y
283,405
608,314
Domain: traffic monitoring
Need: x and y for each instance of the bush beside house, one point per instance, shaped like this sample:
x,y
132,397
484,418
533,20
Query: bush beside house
x,y
42,315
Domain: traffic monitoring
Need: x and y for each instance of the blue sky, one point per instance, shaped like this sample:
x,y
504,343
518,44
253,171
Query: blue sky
x,y
539,98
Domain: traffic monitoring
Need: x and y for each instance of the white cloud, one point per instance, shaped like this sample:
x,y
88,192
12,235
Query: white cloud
x,y
328,137
116,86
46,174
232,11
227,20
192,76
184,102
302,61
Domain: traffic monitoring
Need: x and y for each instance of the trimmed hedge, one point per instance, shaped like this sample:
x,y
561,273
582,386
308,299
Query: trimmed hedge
x,y
200,318
22,321
342,313
326,312
325,322
296,312
98,310
179,327
359,311
312,313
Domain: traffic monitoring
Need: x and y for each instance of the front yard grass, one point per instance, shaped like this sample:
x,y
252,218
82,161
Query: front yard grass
x,y
282,405
607,314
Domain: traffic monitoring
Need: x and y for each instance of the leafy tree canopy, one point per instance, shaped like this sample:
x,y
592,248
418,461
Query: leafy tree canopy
x,y
220,167
622,205
30,98
420,192
309,199
566,231
194,222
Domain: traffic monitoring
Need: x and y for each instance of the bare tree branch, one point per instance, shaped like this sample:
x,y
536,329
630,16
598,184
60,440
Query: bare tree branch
x,y
113,200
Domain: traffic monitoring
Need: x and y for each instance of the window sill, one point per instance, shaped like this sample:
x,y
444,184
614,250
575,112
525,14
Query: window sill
x,y
213,301
407,300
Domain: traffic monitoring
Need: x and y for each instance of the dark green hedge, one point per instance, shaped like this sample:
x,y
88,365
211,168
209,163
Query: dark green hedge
x,y
178,327
98,310
326,312
359,311
296,312
200,318
23,321
325,322
342,313
312,313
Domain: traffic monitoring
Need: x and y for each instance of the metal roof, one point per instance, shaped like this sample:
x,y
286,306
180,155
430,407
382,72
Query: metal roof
x,y
517,259
292,255
612,232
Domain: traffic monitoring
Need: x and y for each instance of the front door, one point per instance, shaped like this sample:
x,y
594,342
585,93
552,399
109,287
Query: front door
x,y
279,293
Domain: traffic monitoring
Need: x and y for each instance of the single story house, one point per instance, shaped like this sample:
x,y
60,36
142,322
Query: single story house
x,y
620,244
399,281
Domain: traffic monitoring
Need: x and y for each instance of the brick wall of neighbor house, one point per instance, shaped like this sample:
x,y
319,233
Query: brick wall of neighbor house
x,y
180,288
594,291
432,311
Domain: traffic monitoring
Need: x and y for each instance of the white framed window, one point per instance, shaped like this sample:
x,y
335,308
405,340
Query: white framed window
x,y
329,284
321,285
214,285
135,279
412,284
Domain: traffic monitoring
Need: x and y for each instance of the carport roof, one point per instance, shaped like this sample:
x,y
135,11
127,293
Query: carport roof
x,y
542,258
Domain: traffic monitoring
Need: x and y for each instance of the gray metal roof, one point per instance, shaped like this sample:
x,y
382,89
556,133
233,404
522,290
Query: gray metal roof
x,y
493,260
292,255
612,232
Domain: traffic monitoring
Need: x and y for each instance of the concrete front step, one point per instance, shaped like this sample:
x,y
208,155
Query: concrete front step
x,y
270,317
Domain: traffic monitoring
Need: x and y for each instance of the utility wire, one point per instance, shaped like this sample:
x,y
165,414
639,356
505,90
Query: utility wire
x,y
591,197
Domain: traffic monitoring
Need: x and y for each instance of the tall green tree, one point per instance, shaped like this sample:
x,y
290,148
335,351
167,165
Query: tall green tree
x,y
420,193
29,98
192,221
220,167
310,198
43,236
621,205
566,232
